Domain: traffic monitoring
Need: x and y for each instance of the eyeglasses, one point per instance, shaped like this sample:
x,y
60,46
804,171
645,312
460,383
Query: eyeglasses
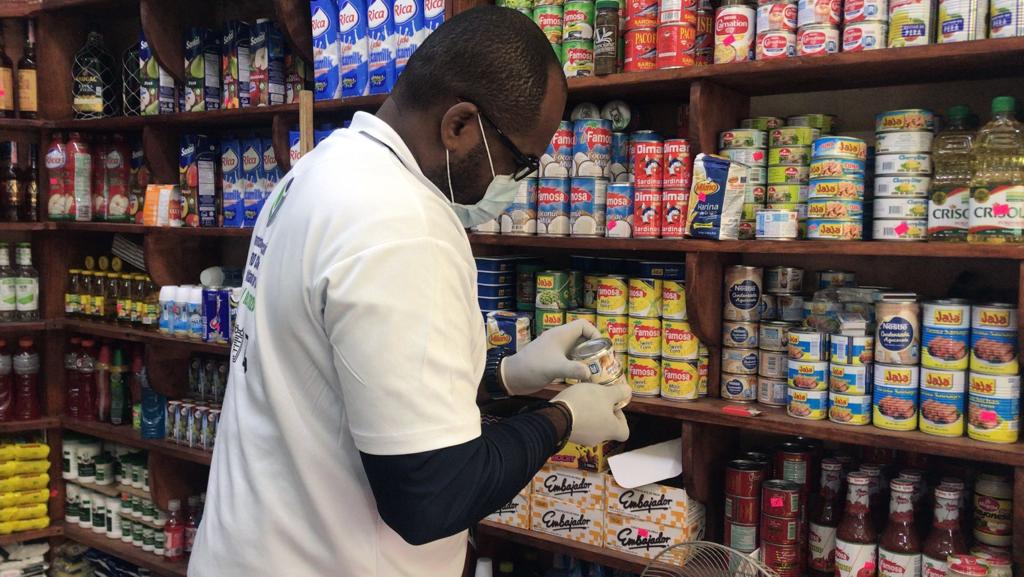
x,y
525,163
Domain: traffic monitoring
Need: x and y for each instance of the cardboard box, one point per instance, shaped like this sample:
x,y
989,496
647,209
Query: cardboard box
x,y
594,458
516,513
581,488
641,538
566,520
653,503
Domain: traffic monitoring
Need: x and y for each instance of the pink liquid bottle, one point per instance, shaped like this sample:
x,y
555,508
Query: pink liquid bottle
x,y
26,381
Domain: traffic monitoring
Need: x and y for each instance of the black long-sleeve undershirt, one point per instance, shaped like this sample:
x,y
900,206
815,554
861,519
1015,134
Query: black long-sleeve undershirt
x,y
435,494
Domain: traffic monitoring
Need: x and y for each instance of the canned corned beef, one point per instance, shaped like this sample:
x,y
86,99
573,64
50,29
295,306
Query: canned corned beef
x,y
641,49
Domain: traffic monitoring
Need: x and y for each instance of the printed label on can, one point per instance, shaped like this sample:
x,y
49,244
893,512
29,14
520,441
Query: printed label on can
x,y
1007,19
641,14
942,403
904,141
740,361
903,164
743,138
678,341
902,186
741,388
786,194
773,336
739,334
647,213
850,379
556,162
808,345
910,23
675,45
674,207
901,208
616,328
852,350
678,164
849,409
864,36
644,336
835,208
865,10
619,211
771,391
588,197
645,297
897,335
735,29
776,17
817,40
994,351
673,300
644,376
810,405
944,346
895,406
679,379
592,141
520,217
553,206
813,12
641,49
836,188
808,376
788,174
648,157
612,296
774,364
775,44
837,168
994,408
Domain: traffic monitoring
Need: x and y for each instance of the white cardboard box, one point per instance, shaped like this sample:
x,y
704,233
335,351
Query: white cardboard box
x,y
516,512
581,488
567,520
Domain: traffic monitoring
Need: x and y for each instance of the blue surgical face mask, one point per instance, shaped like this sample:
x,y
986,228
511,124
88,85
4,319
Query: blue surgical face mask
x,y
499,195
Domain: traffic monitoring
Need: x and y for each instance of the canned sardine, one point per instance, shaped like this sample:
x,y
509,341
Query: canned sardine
x,y
675,46
641,49
598,356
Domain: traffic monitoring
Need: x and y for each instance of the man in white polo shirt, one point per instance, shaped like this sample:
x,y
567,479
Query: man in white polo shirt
x,y
350,443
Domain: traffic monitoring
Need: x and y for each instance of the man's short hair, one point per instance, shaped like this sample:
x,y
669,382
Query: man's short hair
x,y
496,58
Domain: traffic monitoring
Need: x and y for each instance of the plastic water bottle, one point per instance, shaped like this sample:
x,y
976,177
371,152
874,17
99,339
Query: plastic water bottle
x,y
167,316
6,384
154,411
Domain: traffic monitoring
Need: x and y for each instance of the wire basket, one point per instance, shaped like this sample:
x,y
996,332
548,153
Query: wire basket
x,y
131,81
94,86
705,559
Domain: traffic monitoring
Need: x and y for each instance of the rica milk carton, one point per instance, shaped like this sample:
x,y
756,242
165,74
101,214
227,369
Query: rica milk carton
x,y
234,65
433,16
380,24
271,174
353,48
252,179
408,17
232,187
294,152
324,23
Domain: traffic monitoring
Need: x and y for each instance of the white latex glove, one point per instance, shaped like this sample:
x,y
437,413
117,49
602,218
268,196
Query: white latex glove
x,y
547,359
595,414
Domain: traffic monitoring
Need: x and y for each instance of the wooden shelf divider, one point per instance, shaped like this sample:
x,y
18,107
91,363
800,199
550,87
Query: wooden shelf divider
x,y
126,435
126,551
112,331
21,537
40,424
581,551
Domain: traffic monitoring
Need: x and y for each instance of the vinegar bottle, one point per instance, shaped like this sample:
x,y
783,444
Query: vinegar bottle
x,y
997,187
856,553
71,384
26,381
174,532
6,384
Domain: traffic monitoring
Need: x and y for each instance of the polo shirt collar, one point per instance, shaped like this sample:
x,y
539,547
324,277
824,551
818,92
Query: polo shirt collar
x,y
382,132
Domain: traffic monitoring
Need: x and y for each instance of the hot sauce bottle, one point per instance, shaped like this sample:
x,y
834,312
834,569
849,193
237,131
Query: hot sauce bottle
x,y
856,553
899,549
824,519
945,538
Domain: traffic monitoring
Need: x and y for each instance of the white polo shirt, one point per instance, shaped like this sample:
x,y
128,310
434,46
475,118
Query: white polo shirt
x,y
359,330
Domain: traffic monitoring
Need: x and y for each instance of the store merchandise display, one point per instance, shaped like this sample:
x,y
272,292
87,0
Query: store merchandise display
x,y
18,87
97,179
19,285
19,381
77,560
24,486
19,181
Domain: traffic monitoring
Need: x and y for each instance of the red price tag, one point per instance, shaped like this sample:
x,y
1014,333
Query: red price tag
x,y
776,501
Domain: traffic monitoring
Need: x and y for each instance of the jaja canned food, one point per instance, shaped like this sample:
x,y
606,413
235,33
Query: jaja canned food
x,y
739,361
912,119
807,345
739,334
810,405
742,293
641,49
553,291
616,328
645,297
816,12
904,142
993,408
852,188
644,375
808,375
864,36
735,30
589,315
771,391
828,167
678,340
855,11
739,388
943,401
545,320
945,334
679,379
835,208
644,336
994,339
849,409
817,40
774,336
850,379
852,350
895,405
776,16
673,300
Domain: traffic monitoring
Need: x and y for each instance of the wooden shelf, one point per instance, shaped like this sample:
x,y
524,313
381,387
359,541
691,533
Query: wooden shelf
x,y
581,551
111,490
126,228
775,420
31,425
21,124
26,226
803,247
51,531
19,8
126,551
128,436
112,331
16,328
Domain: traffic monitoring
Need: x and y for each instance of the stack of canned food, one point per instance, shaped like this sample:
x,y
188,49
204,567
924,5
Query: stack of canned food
x,y
835,209
496,283
749,146
789,152
865,25
818,27
903,169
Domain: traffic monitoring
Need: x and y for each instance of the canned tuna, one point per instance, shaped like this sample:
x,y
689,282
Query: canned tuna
x,y
855,11
911,208
808,375
588,197
647,213
735,31
789,155
904,141
819,12
788,174
817,40
840,147
837,168
820,229
553,205
900,229
905,119
837,188
835,208
619,211
675,45
641,49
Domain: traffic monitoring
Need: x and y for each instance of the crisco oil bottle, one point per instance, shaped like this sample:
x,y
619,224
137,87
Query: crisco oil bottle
x,y
997,187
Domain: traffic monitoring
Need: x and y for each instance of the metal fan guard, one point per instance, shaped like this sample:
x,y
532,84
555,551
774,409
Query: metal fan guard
x,y
131,81
705,559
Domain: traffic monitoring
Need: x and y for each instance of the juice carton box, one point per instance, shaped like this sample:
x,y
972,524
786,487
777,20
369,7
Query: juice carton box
x,y
234,65
232,187
298,75
433,16
326,50
567,520
197,170
202,70
294,152
581,488
380,31
252,179
140,178
515,513
270,173
353,48
156,86
408,17
267,72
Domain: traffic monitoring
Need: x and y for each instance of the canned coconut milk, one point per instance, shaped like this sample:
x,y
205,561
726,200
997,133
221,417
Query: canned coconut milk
x,y
521,216
619,211
592,140
587,197
553,207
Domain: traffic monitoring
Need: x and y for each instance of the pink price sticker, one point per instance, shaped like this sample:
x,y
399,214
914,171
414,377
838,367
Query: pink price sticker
x,y
776,501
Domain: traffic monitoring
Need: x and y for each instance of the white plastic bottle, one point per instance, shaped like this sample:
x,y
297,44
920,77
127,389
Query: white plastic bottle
x,y
167,318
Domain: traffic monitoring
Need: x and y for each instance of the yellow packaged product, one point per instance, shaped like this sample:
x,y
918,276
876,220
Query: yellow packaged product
x,y
23,512
14,498
12,468
8,527
579,487
24,482
566,520
592,458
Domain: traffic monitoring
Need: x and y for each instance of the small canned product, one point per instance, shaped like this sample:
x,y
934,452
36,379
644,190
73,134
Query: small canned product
x,y
823,122
769,308
840,147
910,23
779,530
641,49
895,405
945,334
835,208
743,478
762,122
808,375
852,188
612,295
644,337
943,400
641,14
739,388
742,293
850,379
775,44
993,413
902,186
673,300
900,229
810,405
619,211
592,147
776,224
644,375
847,409
675,45
864,36
678,164
792,136
904,142
828,229
545,320
855,11
773,336
789,155
852,350
772,364
771,391
745,510
786,193
901,208
577,21
739,361
553,206
1007,19
588,197
817,40
618,171
549,19
735,31
678,341
790,307
520,218
788,174
807,344
553,290
835,279
578,58
645,297
784,560
739,334
674,206
813,12
828,167
910,119
750,156
898,333
741,537
747,138
616,328
676,11
776,16
588,315
647,213
557,159
680,379
647,154
994,339
598,356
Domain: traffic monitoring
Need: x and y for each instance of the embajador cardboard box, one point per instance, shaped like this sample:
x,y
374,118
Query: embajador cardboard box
x,y
516,513
654,503
581,488
641,538
566,520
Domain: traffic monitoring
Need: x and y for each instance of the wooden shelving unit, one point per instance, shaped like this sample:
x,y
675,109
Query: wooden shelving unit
x,y
112,490
42,424
126,435
51,531
545,542
112,331
126,551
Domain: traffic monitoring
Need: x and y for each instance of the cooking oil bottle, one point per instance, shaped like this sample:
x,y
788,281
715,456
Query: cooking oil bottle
x,y
997,187
951,182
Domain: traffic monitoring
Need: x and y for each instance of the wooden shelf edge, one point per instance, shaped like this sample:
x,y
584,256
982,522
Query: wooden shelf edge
x,y
51,531
126,551
775,420
112,331
127,228
32,425
27,226
128,436
23,327
581,551
111,490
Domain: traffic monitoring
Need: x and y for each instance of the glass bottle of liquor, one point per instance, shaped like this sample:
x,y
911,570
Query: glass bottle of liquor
x,y
8,286
28,100
10,178
29,210
6,82
27,287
